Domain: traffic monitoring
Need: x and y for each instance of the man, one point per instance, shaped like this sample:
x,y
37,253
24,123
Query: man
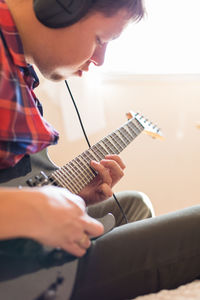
x,y
121,264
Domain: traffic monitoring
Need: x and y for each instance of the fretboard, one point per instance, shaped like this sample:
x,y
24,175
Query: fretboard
x,y
76,174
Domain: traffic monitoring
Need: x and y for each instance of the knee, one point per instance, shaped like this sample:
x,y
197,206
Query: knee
x,y
148,204
137,204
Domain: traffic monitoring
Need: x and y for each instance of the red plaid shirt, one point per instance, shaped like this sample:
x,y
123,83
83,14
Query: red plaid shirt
x,y
22,127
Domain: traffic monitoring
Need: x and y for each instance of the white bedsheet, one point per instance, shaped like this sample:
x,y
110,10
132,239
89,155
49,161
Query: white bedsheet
x,y
190,291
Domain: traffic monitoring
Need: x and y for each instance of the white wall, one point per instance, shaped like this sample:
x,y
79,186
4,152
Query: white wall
x,y
168,171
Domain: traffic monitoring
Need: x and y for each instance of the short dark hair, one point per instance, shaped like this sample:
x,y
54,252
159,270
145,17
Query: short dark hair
x,y
135,8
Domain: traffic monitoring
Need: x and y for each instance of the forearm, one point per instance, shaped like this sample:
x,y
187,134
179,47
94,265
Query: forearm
x,y
50,215
18,213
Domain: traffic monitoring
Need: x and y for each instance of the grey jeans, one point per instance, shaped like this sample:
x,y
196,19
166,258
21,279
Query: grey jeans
x,y
136,206
141,257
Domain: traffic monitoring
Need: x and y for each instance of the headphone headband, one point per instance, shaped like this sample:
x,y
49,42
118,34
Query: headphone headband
x,y
60,13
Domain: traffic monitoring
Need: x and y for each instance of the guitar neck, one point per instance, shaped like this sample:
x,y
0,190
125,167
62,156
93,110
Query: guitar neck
x,y
76,174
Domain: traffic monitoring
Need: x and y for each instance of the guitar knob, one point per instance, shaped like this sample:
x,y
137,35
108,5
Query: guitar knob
x,y
51,292
49,295
30,182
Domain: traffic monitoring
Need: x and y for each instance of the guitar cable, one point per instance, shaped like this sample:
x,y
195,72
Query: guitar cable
x,y
89,145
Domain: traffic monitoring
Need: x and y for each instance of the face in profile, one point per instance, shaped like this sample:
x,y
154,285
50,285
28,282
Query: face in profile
x,y
69,51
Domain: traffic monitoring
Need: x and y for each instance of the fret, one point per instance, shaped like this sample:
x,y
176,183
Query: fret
x,y
87,157
55,178
98,155
68,178
118,137
126,135
109,145
58,178
69,175
70,186
59,181
86,165
136,126
109,151
117,144
81,173
135,129
78,173
69,182
114,145
98,151
85,170
91,155
72,180
102,149
139,124
89,171
81,163
132,130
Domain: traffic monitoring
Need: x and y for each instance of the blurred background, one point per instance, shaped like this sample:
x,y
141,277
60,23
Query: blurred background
x,y
154,69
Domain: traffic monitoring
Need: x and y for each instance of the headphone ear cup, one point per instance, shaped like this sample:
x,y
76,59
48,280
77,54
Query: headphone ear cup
x,y
60,13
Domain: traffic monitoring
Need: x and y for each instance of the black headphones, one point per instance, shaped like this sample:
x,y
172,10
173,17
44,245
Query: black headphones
x,y
60,13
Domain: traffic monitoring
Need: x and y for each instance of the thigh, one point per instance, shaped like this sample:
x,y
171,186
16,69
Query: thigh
x,y
142,257
135,205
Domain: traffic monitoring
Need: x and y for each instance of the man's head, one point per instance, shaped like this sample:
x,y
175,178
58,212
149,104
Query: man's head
x,y
69,50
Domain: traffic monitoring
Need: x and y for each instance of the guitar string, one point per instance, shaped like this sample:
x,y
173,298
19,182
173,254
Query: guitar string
x,y
99,151
65,175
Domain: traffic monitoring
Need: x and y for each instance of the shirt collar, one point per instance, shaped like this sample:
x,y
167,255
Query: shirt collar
x,y
11,35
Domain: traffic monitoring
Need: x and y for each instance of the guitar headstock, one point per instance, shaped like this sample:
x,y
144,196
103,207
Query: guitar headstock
x,y
149,127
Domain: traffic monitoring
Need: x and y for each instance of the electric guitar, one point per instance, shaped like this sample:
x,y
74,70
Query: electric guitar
x,y
23,262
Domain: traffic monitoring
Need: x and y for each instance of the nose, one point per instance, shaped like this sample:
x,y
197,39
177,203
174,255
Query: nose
x,y
98,56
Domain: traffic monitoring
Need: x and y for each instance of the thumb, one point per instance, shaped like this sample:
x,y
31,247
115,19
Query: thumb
x,y
93,227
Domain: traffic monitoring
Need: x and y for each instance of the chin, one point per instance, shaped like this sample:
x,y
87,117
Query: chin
x,y
59,77
56,77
